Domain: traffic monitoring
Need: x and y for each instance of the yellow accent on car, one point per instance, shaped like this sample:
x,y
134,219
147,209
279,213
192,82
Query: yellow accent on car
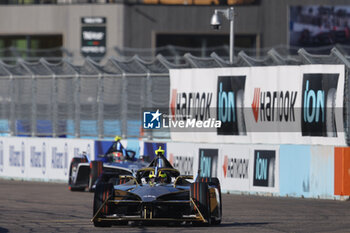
x,y
159,151
162,174
151,174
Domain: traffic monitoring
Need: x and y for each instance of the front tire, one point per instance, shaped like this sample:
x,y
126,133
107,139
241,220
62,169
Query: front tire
x,y
102,192
213,181
199,192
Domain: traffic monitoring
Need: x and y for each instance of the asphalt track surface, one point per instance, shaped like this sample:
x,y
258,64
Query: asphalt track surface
x,y
51,207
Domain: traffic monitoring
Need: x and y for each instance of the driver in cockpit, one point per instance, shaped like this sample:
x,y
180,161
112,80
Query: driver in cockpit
x,y
117,151
152,177
162,177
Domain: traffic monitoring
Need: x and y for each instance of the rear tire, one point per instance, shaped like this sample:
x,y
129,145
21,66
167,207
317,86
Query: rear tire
x,y
96,168
199,192
102,192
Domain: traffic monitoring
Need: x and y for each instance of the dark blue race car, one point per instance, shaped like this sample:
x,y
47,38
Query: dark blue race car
x,y
157,193
84,172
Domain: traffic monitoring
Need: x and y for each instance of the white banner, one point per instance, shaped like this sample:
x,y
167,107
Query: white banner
x,y
249,168
240,168
182,157
235,167
15,161
40,158
278,104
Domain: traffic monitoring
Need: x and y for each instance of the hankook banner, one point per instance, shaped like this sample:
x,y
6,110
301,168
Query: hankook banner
x,y
183,157
275,104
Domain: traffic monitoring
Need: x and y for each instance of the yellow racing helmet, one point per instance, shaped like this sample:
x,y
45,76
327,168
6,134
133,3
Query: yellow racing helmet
x,y
162,174
117,138
151,175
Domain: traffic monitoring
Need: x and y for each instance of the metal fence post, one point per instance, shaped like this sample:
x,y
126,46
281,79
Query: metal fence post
x,y
346,113
54,106
77,106
34,107
100,118
148,104
124,108
12,107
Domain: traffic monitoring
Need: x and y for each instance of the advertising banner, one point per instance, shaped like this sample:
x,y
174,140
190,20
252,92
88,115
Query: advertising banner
x,y
322,105
274,105
230,103
208,97
240,168
40,158
265,169
235,167
59,159
208,162
182,157
16,160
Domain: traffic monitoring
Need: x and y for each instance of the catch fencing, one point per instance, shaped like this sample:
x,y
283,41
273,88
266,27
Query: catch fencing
x,y
103,100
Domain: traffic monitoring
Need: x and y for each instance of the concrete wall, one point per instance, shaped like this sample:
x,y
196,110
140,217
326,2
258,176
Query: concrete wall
x,y
307,171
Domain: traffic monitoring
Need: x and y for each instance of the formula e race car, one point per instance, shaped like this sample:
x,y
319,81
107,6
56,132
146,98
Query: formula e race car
x,y
158,193
84,173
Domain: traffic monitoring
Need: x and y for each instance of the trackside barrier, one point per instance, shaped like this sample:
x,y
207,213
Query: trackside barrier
x,y
240,168
280,170
342,171
295,170
307,171
44,159
48,159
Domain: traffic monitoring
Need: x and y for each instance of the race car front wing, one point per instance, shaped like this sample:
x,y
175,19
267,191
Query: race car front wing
x,y
147,212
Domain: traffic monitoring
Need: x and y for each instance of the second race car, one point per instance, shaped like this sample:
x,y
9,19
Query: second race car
x,y
84,172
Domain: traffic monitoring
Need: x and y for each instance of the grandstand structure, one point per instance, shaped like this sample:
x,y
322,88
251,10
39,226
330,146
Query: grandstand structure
x,y
101,100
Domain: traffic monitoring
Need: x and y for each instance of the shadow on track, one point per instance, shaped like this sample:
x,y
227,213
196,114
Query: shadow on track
x,y
242,224
172,225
